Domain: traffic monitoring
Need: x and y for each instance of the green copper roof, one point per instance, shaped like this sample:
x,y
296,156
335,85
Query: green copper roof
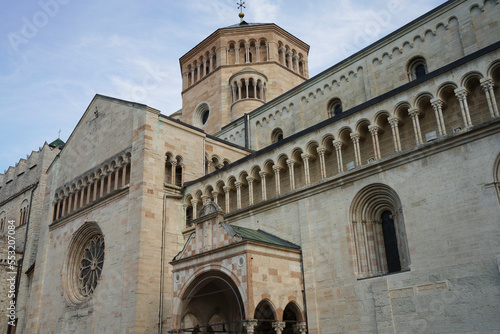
x,y
261,236
57,143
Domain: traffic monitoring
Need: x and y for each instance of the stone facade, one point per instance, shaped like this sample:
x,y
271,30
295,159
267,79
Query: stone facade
x,y
363,200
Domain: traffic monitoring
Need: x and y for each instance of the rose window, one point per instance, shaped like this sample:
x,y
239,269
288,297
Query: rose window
x,y
91,265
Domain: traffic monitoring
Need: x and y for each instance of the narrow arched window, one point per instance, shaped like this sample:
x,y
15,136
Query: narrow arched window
x,y
276,135
390,243
334,107
417,68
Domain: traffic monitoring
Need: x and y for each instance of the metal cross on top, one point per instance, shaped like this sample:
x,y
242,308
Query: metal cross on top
x,y
240,7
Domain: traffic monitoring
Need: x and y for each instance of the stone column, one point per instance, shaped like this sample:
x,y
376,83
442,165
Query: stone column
x,y
58,204
198,65
356,245
108,188
247,53
367,249
233,94
290,163
338,150
227,55
210,63
255,89
393,121
238,185
267,52
96,179
283,52
290,64
461,94
250,325
355,142
437,105
264,95
204,67
276,170
101,188
227,189
246,88
263,175
321,153
89,186
205,199
173,164
278,326
192,75
414,113
236,54
257,50
117,172
82,193
375,225
261,90
376,145
305,158
250,189
487,86
239,90
194,204
70,202
296,64
124,173
215,193
63,212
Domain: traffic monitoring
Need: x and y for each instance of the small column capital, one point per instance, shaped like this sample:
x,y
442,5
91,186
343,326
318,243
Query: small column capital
x,y
250,325
487,83
338,144
321,150
290,162
215,193
305,156
413,112
262,174
277,168
250,179
355,136
194,202
461,93
210,56
436,103
226,189
278,326
393,121
300,328
373,129
238,185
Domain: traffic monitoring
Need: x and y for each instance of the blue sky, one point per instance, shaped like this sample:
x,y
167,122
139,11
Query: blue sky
x,y
55,55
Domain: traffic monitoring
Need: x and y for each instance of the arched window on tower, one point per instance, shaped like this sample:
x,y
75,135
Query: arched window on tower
x,y
417,68
334,107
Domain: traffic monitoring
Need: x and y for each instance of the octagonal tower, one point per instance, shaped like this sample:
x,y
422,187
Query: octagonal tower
x,y
236,70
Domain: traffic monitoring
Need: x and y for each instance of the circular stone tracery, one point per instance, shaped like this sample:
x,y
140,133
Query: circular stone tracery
x,y
84,264
91,265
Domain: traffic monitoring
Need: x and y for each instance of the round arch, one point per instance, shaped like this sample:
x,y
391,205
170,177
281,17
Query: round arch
x,y
212,295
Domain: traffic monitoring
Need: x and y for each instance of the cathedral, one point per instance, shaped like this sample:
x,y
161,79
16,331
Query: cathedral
x,y
365,199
